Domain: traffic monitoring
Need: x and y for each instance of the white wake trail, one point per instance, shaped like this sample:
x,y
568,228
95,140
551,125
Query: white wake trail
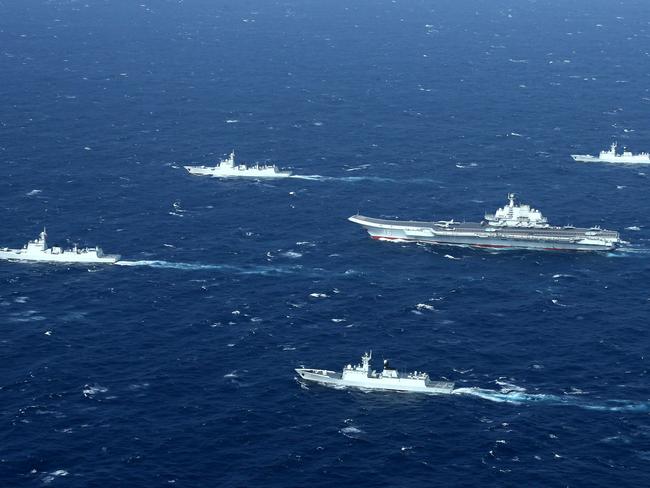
x,y
519,397
356,179
629,252
258,270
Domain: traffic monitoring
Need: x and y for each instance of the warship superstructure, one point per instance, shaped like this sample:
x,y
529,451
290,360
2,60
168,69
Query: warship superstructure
x,y
611,157
37,250
513,226
228,169
361,376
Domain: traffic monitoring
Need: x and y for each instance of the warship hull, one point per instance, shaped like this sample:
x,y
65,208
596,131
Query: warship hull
x,y
611,156
228,169
332,378
237,173
491,237
586,158
64,257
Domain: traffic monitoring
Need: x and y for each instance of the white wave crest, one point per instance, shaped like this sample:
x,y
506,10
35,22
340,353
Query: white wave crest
x,y
47,479
292,254
351,432
90,391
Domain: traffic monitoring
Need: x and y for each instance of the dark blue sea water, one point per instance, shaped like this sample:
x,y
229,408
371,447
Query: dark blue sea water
x,y
178,367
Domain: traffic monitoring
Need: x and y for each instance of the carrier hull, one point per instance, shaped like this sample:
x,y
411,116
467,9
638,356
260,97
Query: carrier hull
x,y
485,236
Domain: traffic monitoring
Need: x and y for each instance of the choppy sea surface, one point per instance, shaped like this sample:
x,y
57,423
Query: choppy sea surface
x,y
177,367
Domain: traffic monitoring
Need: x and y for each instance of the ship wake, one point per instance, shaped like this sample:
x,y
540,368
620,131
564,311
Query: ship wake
x,y
357,179
227,268
516,395
349,179
629,251
521,397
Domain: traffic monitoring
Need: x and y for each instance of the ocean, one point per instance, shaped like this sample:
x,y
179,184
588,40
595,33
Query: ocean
x,y
177,366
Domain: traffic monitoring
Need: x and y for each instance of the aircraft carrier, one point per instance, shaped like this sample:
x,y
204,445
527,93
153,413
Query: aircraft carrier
x,y
513,226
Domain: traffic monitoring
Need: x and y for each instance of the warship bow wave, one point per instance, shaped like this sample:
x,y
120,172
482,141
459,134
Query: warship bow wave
x,y
361,376
611,157
513,226
228,169
37,250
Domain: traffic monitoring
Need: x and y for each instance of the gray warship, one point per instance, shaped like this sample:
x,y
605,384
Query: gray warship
x,y
361,376
38,250
513,226
611,156
227,168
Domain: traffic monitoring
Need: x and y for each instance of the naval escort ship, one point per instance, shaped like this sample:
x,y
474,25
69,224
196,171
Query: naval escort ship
x,y
361,376
611,157
228,169
37,250
513,226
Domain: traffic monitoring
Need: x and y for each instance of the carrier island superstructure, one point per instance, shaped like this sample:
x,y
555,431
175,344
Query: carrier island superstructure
x,y
514,226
